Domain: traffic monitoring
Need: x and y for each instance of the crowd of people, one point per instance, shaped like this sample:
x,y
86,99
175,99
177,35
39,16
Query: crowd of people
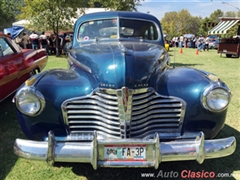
x,y
36,41
201,42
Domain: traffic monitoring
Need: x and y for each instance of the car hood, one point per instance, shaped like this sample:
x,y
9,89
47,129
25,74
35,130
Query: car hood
x,y
117,64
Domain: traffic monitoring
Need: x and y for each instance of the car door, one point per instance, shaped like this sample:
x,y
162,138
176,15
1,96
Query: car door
x,y
11,60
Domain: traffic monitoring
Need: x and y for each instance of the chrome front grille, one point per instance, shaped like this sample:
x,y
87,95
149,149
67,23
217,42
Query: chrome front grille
x,y
141,113
153,113
99,112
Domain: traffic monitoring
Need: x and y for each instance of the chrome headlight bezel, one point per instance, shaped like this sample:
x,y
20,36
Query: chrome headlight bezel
x,y
38,103
222,104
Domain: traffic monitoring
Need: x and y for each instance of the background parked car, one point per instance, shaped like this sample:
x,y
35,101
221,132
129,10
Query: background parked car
x,y
213,44
17,65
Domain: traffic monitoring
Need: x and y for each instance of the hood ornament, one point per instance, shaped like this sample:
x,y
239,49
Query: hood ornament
x,y
125,98
125,102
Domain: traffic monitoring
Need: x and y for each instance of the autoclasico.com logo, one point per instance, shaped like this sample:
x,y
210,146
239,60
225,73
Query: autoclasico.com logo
x,y
189,174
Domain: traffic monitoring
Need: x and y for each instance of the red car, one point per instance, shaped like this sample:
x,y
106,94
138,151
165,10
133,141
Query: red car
x,y
17,65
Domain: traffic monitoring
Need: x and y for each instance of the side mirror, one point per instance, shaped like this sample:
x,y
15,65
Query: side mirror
x,y
67,47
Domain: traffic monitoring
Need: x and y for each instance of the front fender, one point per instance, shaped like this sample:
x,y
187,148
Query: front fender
x,y
189,84
60,84
56,86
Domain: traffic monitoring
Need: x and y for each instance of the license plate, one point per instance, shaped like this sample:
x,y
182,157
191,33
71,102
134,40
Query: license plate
x,y
125,152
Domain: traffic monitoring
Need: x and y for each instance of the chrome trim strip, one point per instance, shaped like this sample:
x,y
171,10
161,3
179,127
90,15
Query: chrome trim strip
x,y
93,102
94,124
94,114
81,109
97,127
156,152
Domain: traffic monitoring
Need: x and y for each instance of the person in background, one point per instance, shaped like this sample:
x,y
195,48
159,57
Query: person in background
x,y
34,38
60,39
206,46
44,42
63,43
9,34
193,41
181,41
19,41
52,44
176,41
200,43
173,41
25,40
185,42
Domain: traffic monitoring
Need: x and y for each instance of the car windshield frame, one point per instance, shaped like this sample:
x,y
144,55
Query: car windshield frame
x,y
117,30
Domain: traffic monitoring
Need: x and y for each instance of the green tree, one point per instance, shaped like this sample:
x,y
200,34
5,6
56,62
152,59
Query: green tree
x,y
230,14
179,23
195,23
214,17
51,15
168,23
9,9
121,5
205,26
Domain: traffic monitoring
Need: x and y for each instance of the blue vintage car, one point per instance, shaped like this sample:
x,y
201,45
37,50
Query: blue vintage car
x,y
120,104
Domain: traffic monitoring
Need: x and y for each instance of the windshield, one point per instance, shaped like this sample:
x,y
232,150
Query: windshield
x,y
108,29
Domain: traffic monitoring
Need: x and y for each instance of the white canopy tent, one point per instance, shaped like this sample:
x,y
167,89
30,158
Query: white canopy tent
x,y
22,23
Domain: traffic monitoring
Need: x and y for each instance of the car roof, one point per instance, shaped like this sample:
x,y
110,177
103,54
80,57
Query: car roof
x,y
114,14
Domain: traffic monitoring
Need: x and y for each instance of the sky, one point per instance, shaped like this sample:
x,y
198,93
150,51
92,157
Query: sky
x,y
201,8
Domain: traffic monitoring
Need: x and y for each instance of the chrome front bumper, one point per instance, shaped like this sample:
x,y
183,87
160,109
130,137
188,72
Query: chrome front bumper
x,y
92,152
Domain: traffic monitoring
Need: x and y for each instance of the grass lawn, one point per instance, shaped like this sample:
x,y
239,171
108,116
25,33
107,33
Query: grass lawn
x,y
228,69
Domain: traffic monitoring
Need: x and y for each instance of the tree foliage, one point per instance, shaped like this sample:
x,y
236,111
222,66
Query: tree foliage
x,y
60,14
121,5
179,23
214,17
204,28
51,14
182,22
9,9
230,14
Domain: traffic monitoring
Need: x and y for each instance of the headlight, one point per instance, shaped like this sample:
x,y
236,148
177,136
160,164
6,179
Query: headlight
x,y
216,99
30,102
